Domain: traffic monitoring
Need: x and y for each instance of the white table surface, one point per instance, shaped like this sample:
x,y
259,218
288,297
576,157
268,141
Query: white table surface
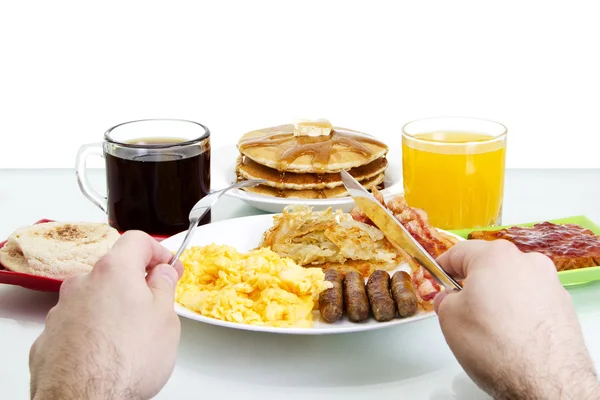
x,y
408,361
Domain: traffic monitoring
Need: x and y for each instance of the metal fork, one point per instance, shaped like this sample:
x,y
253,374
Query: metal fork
x,y
201,208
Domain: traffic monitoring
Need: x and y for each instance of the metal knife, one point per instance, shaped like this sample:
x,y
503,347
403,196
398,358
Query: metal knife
x,y
395,232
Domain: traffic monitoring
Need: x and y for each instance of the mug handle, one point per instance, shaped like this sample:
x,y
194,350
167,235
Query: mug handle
x,y
93,149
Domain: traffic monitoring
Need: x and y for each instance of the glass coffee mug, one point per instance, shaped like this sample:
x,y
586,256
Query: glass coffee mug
x,y
156,170
453,169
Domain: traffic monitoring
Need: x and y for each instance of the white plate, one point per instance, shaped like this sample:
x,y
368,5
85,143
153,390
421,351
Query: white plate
x,y
223,161
245,234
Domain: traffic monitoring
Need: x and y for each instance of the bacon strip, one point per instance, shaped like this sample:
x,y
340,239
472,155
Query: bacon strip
x,y
415,221
417,224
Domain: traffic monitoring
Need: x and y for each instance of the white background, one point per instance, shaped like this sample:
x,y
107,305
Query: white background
x,y
70,70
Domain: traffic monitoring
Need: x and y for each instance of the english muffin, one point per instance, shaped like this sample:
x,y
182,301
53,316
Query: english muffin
x,y
57,249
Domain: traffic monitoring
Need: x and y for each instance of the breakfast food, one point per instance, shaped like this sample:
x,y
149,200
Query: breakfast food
x,y
403,293
304,160
378,291
331,301
249,169
330,240
351,244
57,250
415,221
432,240
339,191
569,246
257,288
358,300
355,297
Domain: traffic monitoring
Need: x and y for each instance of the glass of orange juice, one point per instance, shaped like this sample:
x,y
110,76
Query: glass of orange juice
x,y
453,169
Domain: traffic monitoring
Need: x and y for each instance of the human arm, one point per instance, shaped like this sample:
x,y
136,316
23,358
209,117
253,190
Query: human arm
x,y
114,332
513,327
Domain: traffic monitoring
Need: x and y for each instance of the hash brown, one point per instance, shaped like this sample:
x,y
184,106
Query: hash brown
x,y
330,240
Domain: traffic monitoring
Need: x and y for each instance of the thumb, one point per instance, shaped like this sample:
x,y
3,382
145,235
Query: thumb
x,y
162,280
438,300
442,299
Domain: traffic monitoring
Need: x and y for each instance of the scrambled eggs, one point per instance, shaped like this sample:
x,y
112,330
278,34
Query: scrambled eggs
x,y
258,288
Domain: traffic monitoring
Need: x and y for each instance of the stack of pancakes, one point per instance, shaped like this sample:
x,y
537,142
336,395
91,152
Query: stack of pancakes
x,y
304,161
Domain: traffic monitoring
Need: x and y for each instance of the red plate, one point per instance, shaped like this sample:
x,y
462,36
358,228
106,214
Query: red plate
x,y
35,282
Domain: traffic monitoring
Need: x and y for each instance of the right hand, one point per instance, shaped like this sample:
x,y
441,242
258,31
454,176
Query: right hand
x,y
513,327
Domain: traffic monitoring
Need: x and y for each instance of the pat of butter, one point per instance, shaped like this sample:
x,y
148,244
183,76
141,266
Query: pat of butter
x,y
319,127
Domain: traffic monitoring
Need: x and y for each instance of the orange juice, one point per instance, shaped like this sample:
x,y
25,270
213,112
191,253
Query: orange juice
x,y
457,177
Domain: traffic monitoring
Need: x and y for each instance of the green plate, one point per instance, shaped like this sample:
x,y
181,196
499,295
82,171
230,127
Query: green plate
x,y
567,278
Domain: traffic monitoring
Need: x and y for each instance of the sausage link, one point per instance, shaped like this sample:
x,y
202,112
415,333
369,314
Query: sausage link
x,y
404,295
355,297
378,290
331,301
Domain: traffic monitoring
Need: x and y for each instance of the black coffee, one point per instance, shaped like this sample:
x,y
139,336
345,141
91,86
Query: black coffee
x,y
155,191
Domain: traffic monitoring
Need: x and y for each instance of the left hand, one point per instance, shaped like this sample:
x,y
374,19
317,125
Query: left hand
x,y
114,332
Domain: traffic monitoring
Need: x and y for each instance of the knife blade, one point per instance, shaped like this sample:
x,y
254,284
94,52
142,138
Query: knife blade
x,y
395,232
